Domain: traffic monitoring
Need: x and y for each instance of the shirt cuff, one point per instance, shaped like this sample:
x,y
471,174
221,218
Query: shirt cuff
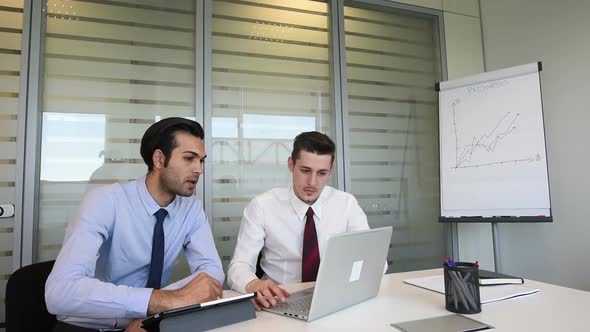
x,y
243,280
138,307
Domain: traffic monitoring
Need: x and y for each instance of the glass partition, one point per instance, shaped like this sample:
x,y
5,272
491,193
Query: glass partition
x,y
270,81
11,30
111,70
392,66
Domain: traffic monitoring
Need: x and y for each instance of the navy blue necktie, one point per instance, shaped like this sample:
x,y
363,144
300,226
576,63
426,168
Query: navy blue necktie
x,y
157,264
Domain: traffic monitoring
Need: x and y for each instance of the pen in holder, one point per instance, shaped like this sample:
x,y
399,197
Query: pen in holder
x,y
462,287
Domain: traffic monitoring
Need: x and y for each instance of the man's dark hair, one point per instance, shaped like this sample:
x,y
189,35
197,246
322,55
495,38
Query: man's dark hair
x,y
314,142
162,135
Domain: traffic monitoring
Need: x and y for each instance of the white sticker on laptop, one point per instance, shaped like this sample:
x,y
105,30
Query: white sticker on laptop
x,y
355,274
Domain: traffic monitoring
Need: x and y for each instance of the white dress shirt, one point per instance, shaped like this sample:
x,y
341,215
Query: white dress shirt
x,y
274,223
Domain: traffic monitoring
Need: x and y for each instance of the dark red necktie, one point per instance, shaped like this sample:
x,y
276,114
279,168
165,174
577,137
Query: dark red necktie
x,y
311,252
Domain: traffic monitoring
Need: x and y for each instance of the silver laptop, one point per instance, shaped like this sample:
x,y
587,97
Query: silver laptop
x,y
350,272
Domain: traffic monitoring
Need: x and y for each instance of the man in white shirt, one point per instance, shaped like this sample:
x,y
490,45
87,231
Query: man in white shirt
x,y
289,226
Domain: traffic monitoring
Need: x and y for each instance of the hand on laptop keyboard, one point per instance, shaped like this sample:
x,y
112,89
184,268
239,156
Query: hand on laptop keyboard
x,y
267,293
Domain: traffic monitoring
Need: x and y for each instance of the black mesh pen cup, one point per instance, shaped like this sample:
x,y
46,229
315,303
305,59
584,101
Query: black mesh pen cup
x,y
462,288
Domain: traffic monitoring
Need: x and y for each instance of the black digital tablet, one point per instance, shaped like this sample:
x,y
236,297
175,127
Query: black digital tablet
x,y
214,313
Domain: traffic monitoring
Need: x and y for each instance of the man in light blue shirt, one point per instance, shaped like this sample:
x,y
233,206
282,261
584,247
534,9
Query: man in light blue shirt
x,y
107,273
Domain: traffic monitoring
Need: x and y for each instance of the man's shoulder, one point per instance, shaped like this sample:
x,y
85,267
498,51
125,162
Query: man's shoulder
x,y
113,192
189,202
274,194
107,189
270,198
337,198
333,193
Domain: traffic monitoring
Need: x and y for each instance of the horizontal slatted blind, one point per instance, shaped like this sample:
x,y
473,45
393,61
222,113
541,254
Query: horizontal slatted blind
x,y
112,69
11,24
393,127
270,81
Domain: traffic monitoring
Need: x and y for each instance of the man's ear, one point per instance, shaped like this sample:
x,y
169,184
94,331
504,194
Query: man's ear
x,y
158,159
291,163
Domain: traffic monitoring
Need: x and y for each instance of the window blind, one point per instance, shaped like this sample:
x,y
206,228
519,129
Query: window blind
x,y
11,23
392,65
112,69
270,82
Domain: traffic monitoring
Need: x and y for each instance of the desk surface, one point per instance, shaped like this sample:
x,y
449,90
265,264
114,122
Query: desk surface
x,y
555,308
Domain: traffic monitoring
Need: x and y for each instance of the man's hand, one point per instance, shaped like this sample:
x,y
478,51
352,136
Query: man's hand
x,y
266,291
201,289
135,326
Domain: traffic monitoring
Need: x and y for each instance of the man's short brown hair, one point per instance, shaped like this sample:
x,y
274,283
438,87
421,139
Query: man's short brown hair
x,y
314,142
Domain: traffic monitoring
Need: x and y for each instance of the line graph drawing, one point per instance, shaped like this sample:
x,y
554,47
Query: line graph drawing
x,y
493,159
537,157
487,142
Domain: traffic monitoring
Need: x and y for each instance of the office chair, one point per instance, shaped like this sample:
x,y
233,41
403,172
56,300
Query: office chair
x,y
25,299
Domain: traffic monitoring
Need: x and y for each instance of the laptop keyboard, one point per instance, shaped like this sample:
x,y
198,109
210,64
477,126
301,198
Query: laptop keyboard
x,y
298,305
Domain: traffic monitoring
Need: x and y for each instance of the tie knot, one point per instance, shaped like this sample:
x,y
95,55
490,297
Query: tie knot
x,y
309,212
161,214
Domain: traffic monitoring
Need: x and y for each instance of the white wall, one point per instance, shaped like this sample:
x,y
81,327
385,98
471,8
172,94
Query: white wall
x,y
556,33
464,55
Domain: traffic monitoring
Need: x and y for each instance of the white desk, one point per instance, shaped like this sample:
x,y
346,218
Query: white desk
x,y
555,308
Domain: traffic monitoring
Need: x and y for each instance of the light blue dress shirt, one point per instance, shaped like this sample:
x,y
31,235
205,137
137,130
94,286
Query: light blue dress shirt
x,y
100,274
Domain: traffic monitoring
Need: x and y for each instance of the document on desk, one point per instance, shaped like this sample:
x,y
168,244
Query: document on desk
x,y
487,294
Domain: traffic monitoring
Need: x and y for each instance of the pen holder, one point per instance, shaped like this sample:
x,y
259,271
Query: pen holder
x,y
462,288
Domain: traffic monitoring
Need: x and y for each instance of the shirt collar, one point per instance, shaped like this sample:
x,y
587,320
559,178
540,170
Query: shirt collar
x,y
301,207
150,205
